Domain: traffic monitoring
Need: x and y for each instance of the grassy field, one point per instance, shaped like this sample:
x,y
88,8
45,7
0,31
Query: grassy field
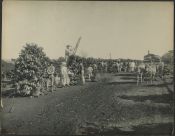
x,y
112,105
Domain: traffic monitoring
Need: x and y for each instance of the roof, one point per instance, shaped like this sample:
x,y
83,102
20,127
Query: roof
x,y
152,57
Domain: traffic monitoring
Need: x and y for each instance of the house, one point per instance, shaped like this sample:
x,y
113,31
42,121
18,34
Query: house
x,y
152,57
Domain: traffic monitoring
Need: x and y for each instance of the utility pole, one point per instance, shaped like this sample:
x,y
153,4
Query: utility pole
x,y
110,56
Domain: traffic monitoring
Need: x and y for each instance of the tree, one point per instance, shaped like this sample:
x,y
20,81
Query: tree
x,y
168,57
30,67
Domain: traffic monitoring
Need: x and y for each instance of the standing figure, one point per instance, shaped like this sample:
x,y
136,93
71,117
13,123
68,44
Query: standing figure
x,y
101,66
82,74
106,67
17,87
121,66
65,80
132,66
95,68
118,66
161,69
128,66
57,80
51,71
68,52
89,72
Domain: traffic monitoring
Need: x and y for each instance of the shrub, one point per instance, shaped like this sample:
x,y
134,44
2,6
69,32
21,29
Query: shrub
x,y
30,67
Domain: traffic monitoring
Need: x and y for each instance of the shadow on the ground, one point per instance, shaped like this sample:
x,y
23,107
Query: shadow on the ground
x,y
164,98
157,85
164,128
9,93
125,74
118,83
162,85
149,129
128,78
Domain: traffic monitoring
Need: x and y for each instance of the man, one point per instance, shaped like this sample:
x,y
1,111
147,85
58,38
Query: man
x,y
95,69
132,66
57,80
161,69
118,66
106,67
51,71
68,52
65,80
89,72
82,74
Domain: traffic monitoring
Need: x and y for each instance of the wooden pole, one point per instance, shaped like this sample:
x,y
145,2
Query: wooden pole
x,y
110,56
76,47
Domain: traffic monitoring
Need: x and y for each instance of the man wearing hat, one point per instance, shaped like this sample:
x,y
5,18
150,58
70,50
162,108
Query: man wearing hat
x,y
68,52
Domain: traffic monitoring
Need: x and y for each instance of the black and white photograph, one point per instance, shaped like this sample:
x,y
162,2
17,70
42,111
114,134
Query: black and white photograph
x,y
87,68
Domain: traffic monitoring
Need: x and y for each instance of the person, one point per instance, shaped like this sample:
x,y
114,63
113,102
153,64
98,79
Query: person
x,y
161,69
51,71
106,67
121,66
65,80
118,66
37,92
82,74
125,66
57,80
68,52
95,69
132,66
102,66
17,87
71,76
89,72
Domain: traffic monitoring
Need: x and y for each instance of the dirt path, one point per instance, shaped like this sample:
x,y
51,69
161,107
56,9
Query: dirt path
x,y
108,106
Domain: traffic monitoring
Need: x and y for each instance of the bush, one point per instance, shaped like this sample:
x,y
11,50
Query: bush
x,y
30,67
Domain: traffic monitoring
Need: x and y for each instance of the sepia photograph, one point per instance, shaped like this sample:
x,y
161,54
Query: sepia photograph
x,y
87,68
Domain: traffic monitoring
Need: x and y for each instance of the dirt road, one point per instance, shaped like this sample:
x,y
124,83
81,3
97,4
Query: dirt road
x,y
112,105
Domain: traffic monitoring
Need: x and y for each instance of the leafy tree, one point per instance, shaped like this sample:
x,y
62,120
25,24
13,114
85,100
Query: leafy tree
x,y
168,57
30,67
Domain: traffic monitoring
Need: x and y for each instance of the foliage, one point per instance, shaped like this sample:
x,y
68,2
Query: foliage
x,y
6,66
168,57
30,67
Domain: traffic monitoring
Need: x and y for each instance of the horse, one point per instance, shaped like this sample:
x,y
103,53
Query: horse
x,y
150,72
140,70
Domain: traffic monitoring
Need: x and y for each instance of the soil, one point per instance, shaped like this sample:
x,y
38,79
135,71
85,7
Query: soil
x,y
114,104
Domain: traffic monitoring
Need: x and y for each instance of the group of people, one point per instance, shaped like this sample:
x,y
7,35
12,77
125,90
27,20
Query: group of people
x,y
74,70
60,79
69,73
120,66
77,73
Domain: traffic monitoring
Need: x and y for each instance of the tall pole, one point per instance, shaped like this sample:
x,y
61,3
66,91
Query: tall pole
x,y
110,56
76,47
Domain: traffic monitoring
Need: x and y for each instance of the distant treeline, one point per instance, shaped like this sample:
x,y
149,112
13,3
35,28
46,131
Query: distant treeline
x,y
8,66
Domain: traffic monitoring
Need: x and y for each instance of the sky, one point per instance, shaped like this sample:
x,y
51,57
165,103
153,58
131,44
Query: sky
x,y
122,29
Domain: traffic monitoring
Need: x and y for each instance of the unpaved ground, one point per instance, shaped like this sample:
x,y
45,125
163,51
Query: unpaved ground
x,y
113,105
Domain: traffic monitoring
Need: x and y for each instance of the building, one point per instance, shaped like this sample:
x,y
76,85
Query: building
x,y
152,57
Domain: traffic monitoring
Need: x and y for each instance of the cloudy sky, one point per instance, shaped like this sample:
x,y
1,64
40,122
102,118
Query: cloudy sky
x,y
124,29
